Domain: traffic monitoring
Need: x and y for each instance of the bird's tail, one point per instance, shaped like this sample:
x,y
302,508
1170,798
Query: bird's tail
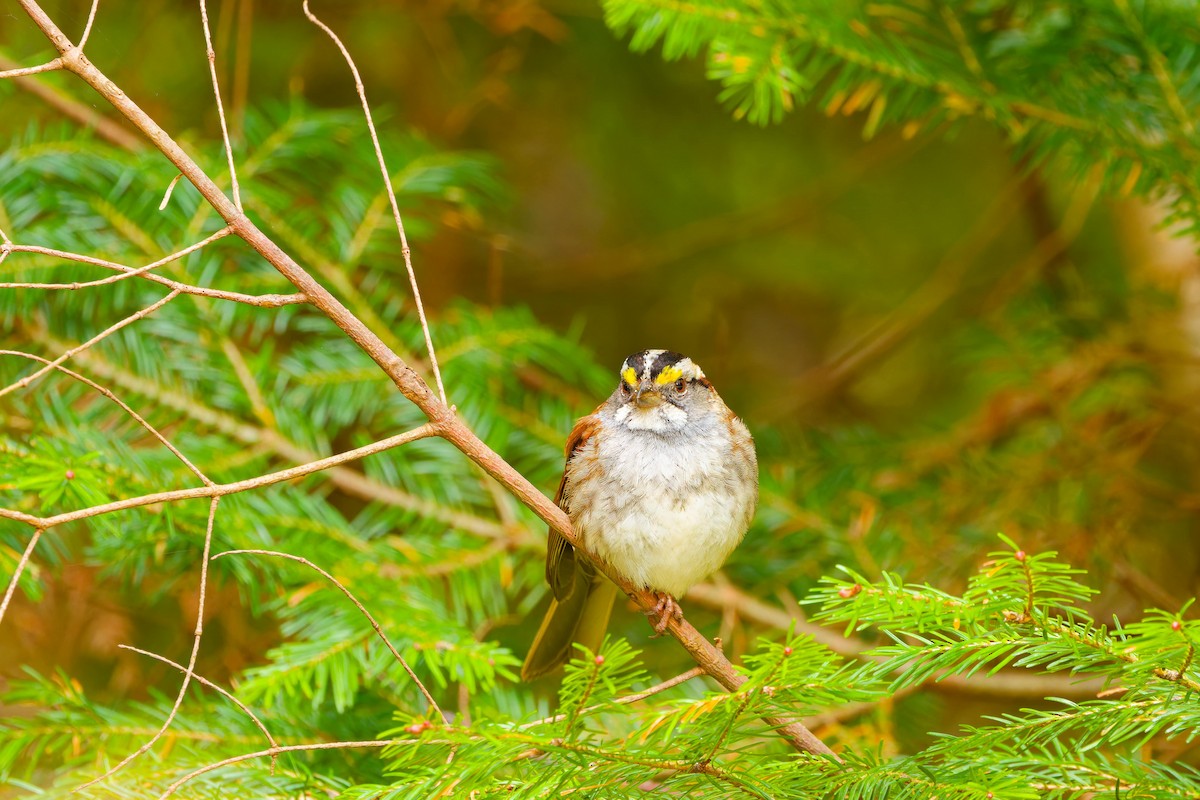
x,y
580,617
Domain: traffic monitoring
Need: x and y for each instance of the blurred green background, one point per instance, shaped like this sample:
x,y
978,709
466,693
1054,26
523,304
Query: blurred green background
x,y
931,342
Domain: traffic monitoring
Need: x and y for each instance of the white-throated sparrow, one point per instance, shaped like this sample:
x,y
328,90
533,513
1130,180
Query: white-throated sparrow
x,y
661,482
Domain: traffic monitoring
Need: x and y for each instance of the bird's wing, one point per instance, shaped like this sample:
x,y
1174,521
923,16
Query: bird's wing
x,y
561,560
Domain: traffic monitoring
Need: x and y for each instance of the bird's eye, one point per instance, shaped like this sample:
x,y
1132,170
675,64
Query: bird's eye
x,y
680,386
625,390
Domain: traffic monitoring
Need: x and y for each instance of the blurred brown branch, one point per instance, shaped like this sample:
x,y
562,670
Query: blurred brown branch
x,y
442,420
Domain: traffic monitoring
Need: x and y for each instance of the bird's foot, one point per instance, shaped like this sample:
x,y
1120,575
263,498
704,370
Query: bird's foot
x,y
666,609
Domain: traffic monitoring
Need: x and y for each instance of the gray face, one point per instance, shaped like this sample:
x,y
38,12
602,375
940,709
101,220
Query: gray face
x,y
659,392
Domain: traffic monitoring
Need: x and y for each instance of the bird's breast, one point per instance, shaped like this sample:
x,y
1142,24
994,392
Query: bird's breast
x,y
663,512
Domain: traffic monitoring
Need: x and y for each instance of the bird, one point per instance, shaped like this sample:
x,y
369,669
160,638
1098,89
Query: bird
x,y
660,484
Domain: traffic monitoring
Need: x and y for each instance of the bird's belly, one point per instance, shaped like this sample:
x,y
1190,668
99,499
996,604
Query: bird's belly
x,y
665,531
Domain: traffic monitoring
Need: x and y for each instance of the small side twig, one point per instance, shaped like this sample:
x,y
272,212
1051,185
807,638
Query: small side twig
x,y
363,609
212,71
272,752
132,318
18,72
206,682
131,273
24,560
260,300
669,683
387,182
191,665
222,489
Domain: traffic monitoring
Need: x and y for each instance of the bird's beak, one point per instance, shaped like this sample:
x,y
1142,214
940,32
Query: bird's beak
x,y
646,395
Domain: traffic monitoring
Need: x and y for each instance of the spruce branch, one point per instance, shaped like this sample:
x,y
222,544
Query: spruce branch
x,y
442,420
362,609
104,334
258,723
191,665
405,250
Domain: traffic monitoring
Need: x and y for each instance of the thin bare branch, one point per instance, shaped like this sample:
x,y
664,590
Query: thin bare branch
x,y
87,29
12,584
132,318
212,71
669,683
223,489
348,480
187,673
132,273
272,752
442,418
18,72
71,108
124,406
206,682
374,624
387,181
259,300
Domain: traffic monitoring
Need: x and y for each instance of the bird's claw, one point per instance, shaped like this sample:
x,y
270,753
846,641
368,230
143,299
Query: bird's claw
x,y
666,609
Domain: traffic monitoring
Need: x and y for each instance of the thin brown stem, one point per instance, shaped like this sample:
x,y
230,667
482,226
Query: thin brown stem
x,y
260,300
387,182
212,71
24,560
191,665
272,752
669,683
363,609
87,28
222,489
131,273
132,318
19,72
206,682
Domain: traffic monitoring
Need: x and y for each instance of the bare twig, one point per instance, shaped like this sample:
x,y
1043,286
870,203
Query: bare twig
x,y
259,300
187,673
132,273
85,115
18,72
212,70
124,406
442,419
148,310
223,489
273,752
87,29
206,682
669,683
24,560
387,182
378,629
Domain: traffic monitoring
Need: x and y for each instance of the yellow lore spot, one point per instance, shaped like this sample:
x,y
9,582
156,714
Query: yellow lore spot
x,y
630,376
668,375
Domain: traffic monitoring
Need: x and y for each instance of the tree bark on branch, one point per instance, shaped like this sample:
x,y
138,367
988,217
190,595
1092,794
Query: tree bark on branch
x,y
443,420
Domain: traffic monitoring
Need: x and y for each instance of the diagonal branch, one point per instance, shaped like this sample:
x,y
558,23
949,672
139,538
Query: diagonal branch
x,y
371,619
260,300
387,182
132,273
191,665
443,420
51,365
221,489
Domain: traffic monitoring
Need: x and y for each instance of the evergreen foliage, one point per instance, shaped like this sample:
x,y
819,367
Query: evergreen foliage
x,y
446,563
1108,88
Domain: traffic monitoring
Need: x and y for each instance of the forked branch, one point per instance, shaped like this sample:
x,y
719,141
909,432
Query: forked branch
x,y
442,418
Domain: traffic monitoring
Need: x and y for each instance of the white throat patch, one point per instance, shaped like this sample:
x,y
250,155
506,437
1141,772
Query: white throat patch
x,y
662,418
